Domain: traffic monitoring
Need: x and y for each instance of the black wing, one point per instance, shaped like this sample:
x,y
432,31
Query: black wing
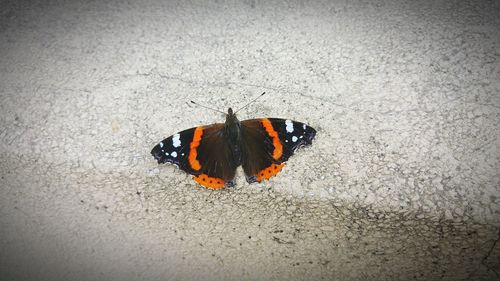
x,y
268,142
293,135
175,150
201,151
216,159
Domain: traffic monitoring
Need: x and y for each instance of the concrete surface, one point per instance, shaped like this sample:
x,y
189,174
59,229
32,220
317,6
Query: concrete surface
x,y
401,183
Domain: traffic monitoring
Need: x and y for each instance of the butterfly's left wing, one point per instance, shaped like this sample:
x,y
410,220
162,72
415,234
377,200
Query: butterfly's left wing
x,y
268,142
201,151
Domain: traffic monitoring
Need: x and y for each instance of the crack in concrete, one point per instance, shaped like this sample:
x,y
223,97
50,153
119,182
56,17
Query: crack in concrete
x,y
490,251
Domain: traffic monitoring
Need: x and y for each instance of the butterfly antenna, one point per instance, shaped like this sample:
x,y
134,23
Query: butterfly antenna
x,y
250,102
207,107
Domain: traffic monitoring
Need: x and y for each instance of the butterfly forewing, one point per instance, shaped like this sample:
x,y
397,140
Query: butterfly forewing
x,y
175,150
292,135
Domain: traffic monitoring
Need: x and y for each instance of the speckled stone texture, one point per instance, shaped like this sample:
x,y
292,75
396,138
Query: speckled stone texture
x,y
401,183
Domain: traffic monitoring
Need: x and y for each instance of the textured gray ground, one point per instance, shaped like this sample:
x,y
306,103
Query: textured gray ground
x,y
402,181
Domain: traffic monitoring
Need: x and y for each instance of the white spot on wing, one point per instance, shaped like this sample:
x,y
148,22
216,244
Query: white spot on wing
x,y
294,139
174,154
161,144
289,126
176,141
166,153
304,126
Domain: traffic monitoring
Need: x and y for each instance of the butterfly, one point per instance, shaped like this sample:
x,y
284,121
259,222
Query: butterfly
x,y
212,153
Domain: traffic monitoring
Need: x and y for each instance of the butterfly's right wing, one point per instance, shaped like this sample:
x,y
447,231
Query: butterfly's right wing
x,y
268,142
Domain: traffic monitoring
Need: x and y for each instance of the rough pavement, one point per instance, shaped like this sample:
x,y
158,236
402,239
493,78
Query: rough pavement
x,y
402,181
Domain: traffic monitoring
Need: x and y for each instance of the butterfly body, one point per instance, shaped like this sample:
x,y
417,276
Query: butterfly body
x,y
212,153
232,131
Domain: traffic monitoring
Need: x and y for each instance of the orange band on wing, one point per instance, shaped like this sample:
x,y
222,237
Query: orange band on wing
x,y
278,147
209,182
269,172
193,149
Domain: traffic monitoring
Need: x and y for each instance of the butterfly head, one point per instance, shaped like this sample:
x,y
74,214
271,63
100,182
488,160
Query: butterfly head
x,y
231,117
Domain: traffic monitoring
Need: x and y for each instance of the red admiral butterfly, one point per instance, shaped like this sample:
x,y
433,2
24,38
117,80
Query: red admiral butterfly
x,y
213,152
